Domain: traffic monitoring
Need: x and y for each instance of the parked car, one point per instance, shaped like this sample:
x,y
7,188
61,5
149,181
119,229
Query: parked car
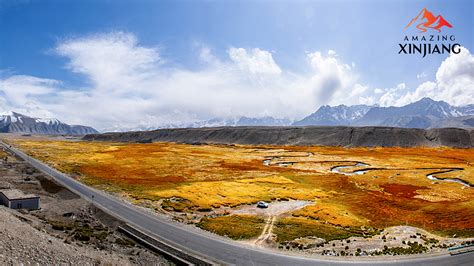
x,y
262,204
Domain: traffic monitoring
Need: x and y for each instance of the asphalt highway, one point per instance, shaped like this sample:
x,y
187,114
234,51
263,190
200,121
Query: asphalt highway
x,y
214,248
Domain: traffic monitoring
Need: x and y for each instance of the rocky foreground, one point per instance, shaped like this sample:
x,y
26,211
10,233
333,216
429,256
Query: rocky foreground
x,y
67,230
324,136
21,243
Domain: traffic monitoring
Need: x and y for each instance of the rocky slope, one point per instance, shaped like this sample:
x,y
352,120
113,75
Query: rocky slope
x,y
425,113
17,123
334,115
328,136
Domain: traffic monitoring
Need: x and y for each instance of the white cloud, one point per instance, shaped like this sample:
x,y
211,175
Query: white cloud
x,y
454,84
23,93
378,91
113,62
336,81
332,53
20,88
131,85
422,75
255,61
391,97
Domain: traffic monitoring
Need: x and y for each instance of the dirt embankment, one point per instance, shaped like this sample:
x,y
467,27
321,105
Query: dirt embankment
x,y
325,136
66,230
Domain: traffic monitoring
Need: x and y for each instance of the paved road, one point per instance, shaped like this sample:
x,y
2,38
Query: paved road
x,y
216,249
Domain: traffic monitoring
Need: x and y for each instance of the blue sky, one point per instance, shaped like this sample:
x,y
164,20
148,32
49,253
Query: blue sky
x,y
40,49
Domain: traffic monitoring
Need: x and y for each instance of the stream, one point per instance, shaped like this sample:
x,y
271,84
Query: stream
x,y
456,180
337,169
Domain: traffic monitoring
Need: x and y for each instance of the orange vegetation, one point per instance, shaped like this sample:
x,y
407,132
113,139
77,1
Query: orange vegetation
x,y
394,191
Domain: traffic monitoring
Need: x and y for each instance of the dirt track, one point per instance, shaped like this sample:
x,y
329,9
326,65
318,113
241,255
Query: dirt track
x,y
272,213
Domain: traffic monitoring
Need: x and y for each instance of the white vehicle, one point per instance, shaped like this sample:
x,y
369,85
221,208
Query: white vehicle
x,y
262,204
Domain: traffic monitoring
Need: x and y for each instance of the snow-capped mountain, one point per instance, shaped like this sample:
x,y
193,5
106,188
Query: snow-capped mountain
x,y
215,122
425,107
334,115
467,109
242,121
264,121
425,113
12,122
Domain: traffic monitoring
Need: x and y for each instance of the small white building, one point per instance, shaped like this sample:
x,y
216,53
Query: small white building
x,y
16,199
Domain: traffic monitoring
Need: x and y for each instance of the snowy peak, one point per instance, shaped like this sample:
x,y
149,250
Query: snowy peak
x,y
49,121
11,117
13,122
424,113
264,121
334,115
425,107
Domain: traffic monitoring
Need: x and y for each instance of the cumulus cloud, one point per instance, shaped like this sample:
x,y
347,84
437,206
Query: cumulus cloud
x,y
132,86
336,81
113,61
255,61
23,93
454,84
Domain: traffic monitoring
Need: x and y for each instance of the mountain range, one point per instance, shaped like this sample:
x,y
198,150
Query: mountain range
x,y
334,115
17,123
226,122
425,113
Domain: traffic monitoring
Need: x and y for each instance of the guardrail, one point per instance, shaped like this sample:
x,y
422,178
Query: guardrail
x,y
177,256
460,247
461,250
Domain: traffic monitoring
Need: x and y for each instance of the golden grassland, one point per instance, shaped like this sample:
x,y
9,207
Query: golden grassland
x,y
395,192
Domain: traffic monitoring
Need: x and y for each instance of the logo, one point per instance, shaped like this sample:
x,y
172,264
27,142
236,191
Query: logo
x,y
426,19
426,43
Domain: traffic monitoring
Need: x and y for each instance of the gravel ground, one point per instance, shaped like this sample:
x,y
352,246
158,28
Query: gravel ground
x,y
21,243
67,230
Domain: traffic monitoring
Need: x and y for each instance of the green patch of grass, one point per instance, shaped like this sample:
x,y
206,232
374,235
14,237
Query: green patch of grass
x,y
413,248
234,226
60,226
288,229
80,231
125,242
85,232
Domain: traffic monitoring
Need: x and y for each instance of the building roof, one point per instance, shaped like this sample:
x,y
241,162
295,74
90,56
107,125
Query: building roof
x,y
14,194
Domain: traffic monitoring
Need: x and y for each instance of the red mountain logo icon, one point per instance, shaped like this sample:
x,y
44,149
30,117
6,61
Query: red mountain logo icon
x,y
426,19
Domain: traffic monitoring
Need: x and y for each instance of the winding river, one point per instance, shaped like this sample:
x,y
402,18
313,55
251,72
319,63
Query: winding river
x,y
338,169
456,180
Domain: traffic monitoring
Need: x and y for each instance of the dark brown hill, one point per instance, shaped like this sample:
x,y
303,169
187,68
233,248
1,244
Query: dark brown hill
x,y
324,136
